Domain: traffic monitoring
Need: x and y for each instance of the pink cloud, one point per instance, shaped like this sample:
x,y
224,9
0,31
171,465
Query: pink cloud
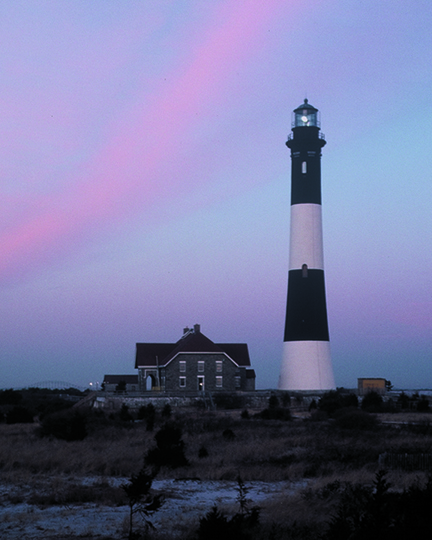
x,y
128,168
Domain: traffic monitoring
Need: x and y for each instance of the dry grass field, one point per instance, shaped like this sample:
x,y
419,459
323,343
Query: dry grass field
x,y
316,456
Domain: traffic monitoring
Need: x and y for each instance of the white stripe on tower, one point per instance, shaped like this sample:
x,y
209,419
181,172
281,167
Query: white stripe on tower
x,y
306,241
306,362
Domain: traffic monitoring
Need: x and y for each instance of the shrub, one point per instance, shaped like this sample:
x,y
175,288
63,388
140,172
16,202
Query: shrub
x,y
203,452
213,526
228,401
141,500
242,526
10,397
372,402
377,512
228,434
169,451
423,404
124,414
121,387
403,401
148,413
312,406
166,411
51,405
19,415
286,399
334,399
273,402
68,426
351,418
318,416
277,413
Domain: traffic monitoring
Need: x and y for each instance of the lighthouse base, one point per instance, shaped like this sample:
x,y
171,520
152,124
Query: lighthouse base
x,y
306,365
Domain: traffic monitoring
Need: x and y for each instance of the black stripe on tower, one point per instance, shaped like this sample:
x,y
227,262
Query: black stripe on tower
x,y
306,316
305,148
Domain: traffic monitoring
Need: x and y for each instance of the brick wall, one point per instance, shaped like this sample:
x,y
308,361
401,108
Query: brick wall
x,y
184,371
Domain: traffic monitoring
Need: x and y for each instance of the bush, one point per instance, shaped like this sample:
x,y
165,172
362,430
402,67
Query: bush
x,y
124,414
19,415
423,404
273,402
213,526
51,405
148,413
378,513
277,413
141,500
228,434
203,452
351,418
333,400
68,426
228,401
10,397
403,401
169,451
121,388
372,402
242,526
166,411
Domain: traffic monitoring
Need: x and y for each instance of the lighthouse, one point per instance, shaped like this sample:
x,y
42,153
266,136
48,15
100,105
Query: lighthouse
x,y
306,361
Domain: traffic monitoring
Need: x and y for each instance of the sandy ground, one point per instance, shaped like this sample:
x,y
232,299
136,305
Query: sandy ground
x,y
185,502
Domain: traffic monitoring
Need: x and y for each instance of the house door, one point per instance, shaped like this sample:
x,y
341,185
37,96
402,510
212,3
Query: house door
x,y
200,382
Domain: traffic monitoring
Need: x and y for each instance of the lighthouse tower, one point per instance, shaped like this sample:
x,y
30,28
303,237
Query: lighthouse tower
x,y
306,362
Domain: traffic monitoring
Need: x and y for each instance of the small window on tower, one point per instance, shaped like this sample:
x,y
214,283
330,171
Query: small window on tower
x,y
304,270
304,167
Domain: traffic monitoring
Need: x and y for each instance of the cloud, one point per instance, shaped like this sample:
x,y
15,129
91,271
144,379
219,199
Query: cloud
x,y
129,169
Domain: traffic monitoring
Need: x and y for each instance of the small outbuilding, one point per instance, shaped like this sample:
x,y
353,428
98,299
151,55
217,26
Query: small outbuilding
x,y
194,363
372,385
120,383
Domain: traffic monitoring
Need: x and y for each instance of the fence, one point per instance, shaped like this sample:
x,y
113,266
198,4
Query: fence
x,y
407,462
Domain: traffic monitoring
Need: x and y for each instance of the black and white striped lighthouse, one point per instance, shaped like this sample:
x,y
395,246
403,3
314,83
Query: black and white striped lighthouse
x,y
306,362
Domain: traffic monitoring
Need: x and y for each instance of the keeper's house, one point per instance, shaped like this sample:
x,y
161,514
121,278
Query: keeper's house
x,y
194,363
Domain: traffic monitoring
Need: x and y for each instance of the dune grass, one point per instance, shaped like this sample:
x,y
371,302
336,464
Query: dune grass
x,y
315,458
265,450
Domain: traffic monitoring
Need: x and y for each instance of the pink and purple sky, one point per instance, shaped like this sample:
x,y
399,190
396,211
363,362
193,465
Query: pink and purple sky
x,y
145,182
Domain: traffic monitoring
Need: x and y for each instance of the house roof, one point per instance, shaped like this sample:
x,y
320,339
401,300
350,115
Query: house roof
x,y
193,341
115,379
239,352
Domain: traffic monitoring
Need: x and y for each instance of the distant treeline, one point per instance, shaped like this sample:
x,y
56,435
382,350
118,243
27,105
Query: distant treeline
x,y
22,406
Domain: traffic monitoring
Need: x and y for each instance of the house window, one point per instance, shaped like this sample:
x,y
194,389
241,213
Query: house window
x,y
182,382
201,382
218,366
182,365
201,366
218,382
238,381
304,167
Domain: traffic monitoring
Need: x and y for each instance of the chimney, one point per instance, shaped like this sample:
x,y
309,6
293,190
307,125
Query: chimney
x,y
197,328
185,330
